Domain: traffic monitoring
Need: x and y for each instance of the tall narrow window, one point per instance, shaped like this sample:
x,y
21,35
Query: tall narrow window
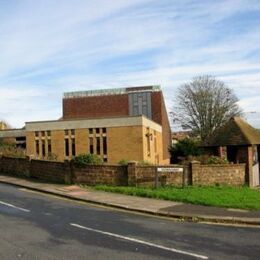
x,y
67,150
73,147
43,149
37,147
49,147
37,134
97,130
104,145
90,131
148,142
98,145
72,131
48,133
91,145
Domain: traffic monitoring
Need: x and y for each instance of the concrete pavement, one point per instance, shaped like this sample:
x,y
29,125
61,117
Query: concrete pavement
x,y
171,209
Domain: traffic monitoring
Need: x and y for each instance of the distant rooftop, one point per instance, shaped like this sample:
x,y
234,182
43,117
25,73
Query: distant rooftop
x,y
111,91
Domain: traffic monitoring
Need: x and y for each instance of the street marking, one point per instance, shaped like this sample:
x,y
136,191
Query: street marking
x,y
140,241
12,206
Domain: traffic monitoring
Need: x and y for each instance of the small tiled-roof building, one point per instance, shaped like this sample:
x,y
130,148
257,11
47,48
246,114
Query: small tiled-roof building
x,y
240,143
236,132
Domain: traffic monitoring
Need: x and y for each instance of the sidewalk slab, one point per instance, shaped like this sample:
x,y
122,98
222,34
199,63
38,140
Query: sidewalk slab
x,y
165,208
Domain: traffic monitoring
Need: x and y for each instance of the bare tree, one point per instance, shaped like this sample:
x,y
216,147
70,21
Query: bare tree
x,y
204,105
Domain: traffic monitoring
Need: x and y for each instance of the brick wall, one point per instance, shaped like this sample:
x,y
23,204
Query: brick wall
x,y
57,172
133,174
225,174
146,176
95,106
15,166
96,174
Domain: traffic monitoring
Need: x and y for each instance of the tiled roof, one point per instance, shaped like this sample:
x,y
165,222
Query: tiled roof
x,y
236,132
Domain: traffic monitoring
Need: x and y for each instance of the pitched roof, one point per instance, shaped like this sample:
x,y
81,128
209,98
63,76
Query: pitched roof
x,y
236,132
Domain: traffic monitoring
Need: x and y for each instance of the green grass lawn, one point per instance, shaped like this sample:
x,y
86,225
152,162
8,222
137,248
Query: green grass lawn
x,y
218,196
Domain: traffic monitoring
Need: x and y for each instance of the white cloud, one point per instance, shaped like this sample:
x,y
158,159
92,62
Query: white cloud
x,y
47,48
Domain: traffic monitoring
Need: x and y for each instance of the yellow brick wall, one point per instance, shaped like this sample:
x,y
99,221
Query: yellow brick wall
x,y
30,145
81,138
124,143
57,143
155,156
129,143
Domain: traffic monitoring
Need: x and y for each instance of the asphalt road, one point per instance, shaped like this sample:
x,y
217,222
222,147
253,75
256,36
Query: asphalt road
x,y
39,226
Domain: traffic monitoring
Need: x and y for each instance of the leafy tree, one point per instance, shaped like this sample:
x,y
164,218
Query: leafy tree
x,y
204,105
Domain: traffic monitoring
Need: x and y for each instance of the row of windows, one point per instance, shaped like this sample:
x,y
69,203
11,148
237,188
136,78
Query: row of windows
x,y
45,146
70,143
97,143
97,130
71,132
48,133
42,133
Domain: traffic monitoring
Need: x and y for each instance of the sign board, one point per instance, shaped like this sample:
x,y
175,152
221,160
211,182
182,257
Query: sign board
x,y
168,169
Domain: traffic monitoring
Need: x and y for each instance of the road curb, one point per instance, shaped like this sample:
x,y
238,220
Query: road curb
x,y
175,215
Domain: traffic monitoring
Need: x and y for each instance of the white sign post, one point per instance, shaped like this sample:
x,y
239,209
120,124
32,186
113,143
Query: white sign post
x,y
169,169
165,169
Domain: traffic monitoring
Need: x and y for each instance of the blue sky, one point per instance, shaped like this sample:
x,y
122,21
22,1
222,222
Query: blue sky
x,y
48,47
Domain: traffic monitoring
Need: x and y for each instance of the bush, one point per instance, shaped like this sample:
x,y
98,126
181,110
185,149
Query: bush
x,y
144,163
87,159
216,160
184,149
123,162
10,150
52,157
141,163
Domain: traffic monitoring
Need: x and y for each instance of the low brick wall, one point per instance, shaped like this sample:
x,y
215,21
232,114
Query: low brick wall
x,y
145,176
132,175
57,172
225,174
101,174
15,166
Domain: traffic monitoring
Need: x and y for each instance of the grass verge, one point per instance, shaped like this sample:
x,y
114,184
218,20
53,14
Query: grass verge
x,y
218,196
